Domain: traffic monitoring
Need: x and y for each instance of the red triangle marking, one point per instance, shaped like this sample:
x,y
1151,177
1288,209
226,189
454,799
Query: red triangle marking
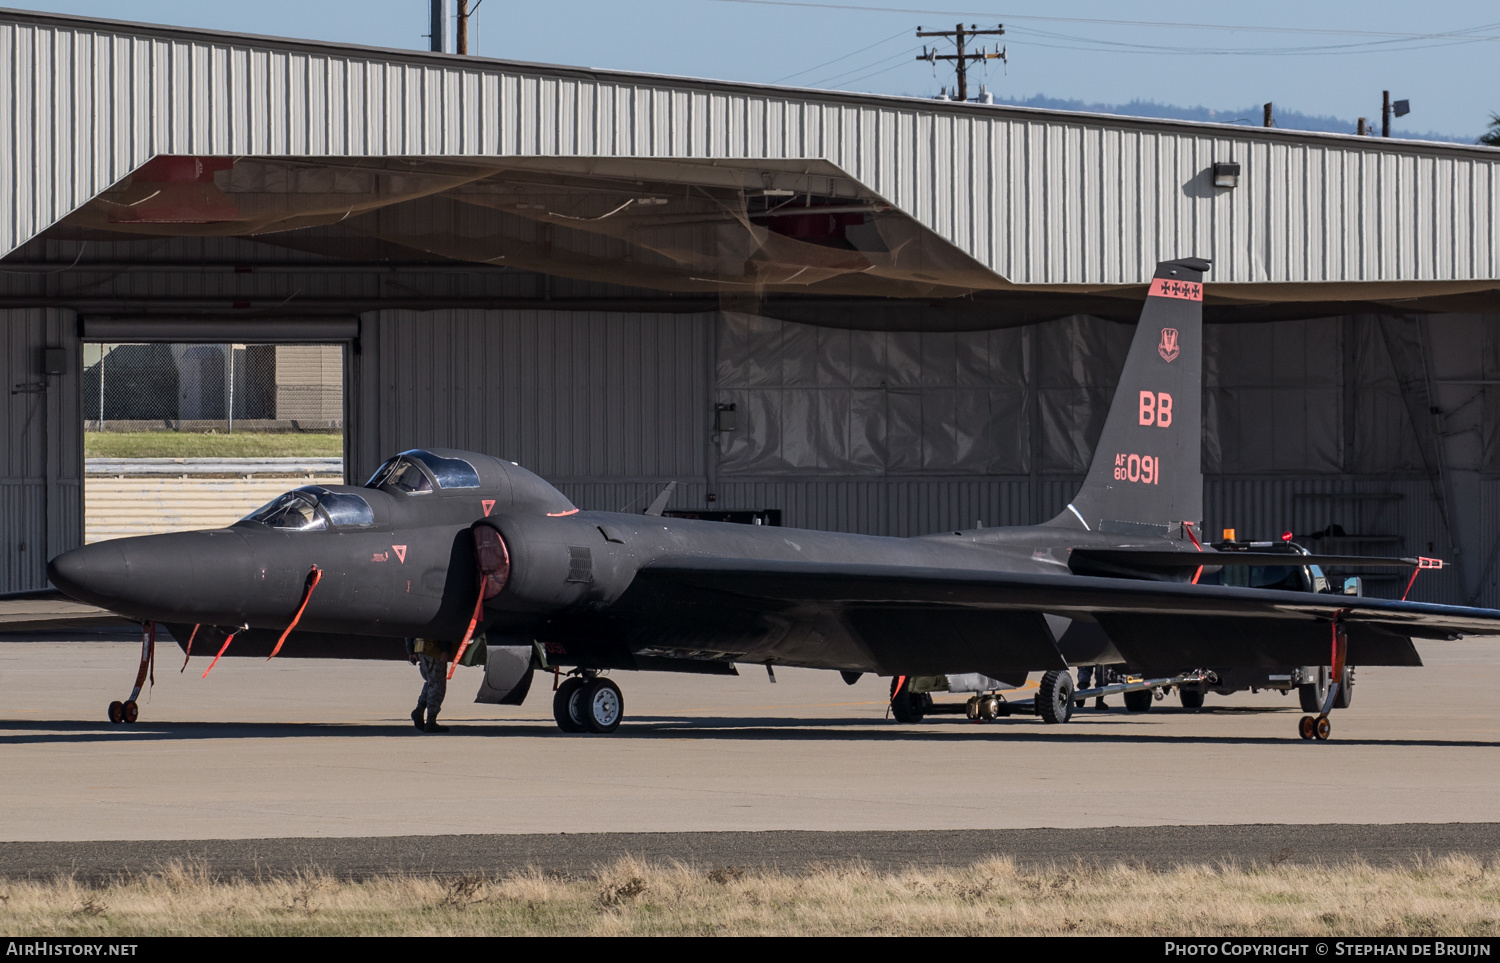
x,y
400,552
489,506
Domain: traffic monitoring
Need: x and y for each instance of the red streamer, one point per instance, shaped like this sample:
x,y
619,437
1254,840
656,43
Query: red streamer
x,y
313,578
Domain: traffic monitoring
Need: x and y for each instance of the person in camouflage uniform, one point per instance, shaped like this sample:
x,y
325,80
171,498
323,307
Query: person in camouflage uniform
x,y
434,685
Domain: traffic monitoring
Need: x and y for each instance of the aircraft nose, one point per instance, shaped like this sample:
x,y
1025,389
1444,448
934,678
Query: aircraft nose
x,y
97,574
153,576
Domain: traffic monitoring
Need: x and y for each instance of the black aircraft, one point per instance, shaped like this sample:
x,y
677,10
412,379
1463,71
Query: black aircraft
x,y
457,546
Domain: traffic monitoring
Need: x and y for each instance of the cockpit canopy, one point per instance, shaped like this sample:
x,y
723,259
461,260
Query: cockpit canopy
x,y
418,471
314,508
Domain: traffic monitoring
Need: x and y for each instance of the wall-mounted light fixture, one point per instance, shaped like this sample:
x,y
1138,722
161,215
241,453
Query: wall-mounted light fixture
x,y
1226,174
54,361
725,418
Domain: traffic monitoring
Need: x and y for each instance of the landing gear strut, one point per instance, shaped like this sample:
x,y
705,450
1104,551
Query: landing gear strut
x,y
588,703
1340,679
128,711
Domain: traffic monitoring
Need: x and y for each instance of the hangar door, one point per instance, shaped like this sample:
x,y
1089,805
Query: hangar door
x,y
191,424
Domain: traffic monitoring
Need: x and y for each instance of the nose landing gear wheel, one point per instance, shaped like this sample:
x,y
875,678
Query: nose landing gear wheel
x,y
1323,728
117,712
132,711
601,706
565,708
1307,727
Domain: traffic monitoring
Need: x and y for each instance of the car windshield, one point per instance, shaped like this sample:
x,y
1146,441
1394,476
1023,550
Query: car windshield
x,y
1265,577
314,509
415,471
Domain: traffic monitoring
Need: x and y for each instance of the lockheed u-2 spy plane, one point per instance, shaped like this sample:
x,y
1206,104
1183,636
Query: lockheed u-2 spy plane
x,y
451,545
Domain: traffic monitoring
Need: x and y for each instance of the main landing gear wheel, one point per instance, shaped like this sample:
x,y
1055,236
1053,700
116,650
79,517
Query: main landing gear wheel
x,y
1345,694
1312,694
565,708
601,706
908,707
1054,698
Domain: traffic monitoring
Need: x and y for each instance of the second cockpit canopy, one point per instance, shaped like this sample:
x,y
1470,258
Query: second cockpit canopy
x,y
418,471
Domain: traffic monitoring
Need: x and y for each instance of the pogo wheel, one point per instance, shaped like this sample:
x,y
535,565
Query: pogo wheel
x,y
1323,727
117,712
132,711
1307,727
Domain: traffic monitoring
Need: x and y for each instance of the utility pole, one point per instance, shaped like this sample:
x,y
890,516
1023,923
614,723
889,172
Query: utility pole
x,y
962,58
439,34
464,13
1385,113
1269,119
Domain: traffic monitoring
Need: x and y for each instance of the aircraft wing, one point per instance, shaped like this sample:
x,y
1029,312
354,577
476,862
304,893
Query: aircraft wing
x,y
1191,560
899,611
48,610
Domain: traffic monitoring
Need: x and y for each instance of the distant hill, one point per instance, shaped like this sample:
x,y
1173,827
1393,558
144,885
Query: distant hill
x,y
1250,116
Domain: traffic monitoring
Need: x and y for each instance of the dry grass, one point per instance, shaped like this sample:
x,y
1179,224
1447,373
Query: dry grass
x,y
1453,896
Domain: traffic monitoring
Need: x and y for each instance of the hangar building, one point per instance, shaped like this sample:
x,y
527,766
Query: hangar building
x,y
916,308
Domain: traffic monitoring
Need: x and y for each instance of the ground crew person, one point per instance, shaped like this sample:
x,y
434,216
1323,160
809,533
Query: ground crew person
x,y
434,684
1096,672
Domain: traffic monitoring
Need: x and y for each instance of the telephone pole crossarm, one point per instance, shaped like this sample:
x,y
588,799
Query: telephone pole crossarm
x,y
962,59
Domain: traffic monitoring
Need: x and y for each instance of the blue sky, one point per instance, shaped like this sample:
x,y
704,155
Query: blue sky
x,y
1326,58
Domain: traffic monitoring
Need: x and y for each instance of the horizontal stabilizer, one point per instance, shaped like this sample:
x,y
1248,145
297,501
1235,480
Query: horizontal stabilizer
x,y
660,504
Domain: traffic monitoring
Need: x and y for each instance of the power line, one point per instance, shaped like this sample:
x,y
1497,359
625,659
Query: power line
x,y
1363,46
843,76
1097,46
875,73
899,33
1467,32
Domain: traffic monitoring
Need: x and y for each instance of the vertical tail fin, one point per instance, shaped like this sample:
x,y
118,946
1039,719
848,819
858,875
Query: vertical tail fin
x,y
1147,472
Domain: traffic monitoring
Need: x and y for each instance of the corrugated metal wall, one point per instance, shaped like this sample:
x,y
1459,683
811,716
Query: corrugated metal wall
x,y
41,463
571,396
1039,197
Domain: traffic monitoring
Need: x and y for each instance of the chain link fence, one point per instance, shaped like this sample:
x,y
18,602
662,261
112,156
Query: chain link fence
x,y
213,387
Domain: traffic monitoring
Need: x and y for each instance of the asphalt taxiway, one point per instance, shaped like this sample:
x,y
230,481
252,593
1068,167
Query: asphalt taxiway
x,y
1155,847
301,749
